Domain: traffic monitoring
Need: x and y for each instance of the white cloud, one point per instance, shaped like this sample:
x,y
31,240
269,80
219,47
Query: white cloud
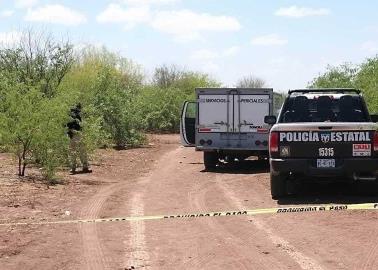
x,y
209,67
10,38
186,25
370,47
232,51
56,14
205,54
25,3
6,13
269,40
149,2
299,12
211,60
114,13
183,25
278,61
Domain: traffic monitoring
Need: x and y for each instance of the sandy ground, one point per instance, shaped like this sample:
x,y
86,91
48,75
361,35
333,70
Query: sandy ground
x,y
169,179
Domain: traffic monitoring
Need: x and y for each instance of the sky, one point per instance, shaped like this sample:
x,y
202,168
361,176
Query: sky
x,y
285,42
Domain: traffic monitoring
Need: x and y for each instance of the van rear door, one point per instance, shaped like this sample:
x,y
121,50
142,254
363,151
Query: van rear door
x,y
215,112
250,110
188,123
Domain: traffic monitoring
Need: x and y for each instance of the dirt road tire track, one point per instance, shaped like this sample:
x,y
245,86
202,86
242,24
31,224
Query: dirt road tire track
x,y
304,261
233,243
96,255
228,242
139,256
92,248
369,260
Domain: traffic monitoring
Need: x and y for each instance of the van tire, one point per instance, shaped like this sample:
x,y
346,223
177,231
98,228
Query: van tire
x,y
278,185
210,159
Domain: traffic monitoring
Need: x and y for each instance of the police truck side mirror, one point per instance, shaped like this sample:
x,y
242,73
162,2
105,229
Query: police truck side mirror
x,y
270,119
374,118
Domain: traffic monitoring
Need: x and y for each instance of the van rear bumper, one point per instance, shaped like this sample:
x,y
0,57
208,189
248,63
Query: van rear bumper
x,y
236,152
308,166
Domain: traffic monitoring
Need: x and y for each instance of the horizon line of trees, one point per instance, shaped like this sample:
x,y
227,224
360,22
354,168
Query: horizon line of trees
x,y
41,79
363,76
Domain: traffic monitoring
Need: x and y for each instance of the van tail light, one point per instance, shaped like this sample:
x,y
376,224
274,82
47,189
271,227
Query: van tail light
x,y
273,142
376,141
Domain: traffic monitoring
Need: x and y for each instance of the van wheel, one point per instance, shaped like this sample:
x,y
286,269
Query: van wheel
x,y
278,185
210,159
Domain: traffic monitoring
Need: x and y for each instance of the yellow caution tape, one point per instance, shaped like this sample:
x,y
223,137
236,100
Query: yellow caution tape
x,y
281,210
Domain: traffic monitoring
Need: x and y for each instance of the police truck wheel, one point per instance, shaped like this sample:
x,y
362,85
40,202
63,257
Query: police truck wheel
x,y
278,185
210,159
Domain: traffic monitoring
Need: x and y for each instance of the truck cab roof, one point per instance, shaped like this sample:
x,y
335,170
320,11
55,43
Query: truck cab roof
x,y
324,105
326,90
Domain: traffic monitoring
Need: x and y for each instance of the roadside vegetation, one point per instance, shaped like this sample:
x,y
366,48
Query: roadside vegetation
x,y
362,76
41,79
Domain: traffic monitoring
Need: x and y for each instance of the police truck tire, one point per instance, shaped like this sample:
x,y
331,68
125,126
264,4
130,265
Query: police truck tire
x,y
210,159
278,185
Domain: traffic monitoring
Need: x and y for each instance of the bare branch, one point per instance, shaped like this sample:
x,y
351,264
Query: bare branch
x,y
250,82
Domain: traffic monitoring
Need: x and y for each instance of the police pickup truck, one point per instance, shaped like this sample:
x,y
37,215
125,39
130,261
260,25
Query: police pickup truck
x,y
322,133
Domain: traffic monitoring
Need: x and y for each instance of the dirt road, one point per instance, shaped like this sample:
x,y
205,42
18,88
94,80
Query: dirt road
x,y
175,183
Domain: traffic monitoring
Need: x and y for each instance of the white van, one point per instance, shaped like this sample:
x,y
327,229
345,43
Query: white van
x,y
227,123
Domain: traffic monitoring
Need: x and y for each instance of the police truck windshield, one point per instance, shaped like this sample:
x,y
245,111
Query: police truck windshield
x,y
324,108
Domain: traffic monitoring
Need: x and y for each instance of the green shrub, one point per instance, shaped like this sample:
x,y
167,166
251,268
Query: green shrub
x,y
158,106
106,84
367,80
363,77
32,127
159,109
342,76
50,147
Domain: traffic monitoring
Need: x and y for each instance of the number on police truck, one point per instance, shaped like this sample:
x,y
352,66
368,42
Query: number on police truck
x,y
326,152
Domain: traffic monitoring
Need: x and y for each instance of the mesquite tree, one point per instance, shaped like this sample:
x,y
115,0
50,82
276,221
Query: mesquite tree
x,y
32,114
37,61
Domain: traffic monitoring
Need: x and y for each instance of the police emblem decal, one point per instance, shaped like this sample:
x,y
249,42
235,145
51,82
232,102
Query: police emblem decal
x,y
325,137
